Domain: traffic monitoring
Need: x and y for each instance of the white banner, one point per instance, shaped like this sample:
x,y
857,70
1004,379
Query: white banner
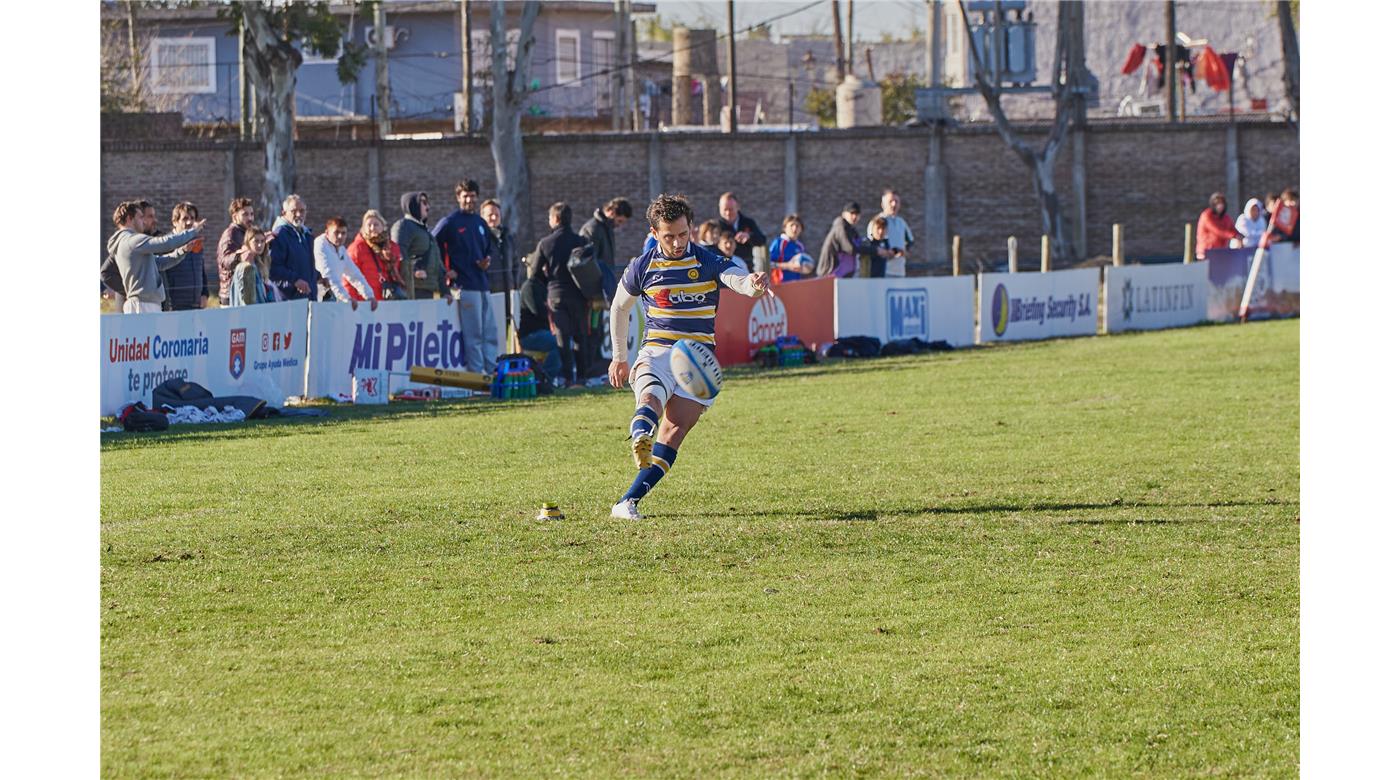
x,y
924,307
1149,297
1276,291
398,335
241,350
1015,307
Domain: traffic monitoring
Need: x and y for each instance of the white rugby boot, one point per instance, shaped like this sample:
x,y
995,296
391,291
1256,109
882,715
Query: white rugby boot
x,y
626,510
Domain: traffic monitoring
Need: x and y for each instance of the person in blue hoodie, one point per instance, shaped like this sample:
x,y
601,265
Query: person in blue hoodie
x,y
293,251
464,239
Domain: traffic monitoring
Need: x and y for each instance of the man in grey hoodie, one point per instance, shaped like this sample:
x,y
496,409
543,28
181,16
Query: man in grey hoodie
x,y
136,257
419,248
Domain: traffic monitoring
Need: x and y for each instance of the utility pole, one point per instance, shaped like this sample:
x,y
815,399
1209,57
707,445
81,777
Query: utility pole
x,y
733,78
617,77
931,43
245,124
381,70
470,123
133,50
634,111
1172,80
836,35
850,36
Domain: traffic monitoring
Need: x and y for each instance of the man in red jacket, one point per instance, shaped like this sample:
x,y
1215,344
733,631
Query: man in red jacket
x,y
1215,228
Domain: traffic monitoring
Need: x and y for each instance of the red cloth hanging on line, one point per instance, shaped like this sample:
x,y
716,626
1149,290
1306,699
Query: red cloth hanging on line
x,y
1135,58
1213,68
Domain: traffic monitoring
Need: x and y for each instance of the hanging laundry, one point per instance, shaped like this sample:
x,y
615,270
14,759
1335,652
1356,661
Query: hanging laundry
x,y
1135,58
1229,59
1213,70
1187,66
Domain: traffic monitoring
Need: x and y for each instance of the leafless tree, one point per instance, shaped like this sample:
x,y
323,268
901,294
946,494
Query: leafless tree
x,y
1068,77
1291,68
509,88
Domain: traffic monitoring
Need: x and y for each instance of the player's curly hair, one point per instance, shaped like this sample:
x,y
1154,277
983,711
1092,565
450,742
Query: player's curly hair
x,y
669,208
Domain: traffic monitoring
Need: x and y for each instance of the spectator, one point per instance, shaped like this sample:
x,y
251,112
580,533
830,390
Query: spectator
x,y
1270,205
1252,224
251,281
787,256
1283,223
1214,229
293,258
843,245
188,286
241,217
897,233
725,243
746,231
878,230
707,235
418,246
343,280
599,229
462,237
134,253
566,303
535,335
501,247
378,258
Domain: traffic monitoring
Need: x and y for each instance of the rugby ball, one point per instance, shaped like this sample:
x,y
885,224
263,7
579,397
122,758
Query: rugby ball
x,y
696,369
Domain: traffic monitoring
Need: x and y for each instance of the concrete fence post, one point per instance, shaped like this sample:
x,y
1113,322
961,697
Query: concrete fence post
x,y
1044,254
1117,244
957,255
1011,254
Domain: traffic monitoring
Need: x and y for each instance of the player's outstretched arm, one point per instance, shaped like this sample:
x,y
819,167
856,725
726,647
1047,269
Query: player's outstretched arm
x,y
752,285
619,368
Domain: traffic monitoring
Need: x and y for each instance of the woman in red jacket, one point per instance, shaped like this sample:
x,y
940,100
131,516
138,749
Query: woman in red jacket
x,y
378,258
1215,228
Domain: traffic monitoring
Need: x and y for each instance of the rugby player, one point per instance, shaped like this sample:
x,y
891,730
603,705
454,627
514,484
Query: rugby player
x,y
679,283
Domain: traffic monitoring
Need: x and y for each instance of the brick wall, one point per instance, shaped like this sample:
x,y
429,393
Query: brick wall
x,y
1150,178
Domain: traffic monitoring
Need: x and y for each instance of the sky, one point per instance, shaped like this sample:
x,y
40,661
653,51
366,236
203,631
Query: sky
x,y
874,18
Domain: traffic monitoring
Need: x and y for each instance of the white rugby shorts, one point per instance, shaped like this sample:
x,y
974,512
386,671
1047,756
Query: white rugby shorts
x,y
653,364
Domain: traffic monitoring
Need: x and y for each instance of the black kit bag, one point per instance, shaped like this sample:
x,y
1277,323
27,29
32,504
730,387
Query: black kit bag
x,y
587,274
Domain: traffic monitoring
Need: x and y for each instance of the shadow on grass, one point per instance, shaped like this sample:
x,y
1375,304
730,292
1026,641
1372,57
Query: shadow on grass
x,y
865,515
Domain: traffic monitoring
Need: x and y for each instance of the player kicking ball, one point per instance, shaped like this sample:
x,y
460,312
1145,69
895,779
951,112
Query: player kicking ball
x,y
679,282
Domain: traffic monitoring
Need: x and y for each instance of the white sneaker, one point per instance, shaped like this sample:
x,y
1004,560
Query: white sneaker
x,y
626,510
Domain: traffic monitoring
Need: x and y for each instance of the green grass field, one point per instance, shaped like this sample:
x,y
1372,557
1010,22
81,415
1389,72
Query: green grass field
x,y
1075,557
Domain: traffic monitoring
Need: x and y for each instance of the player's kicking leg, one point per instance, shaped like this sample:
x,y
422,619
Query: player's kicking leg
x,y
681,415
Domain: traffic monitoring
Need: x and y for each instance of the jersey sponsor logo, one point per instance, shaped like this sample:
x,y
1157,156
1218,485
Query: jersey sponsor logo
x,y
907,313
667,297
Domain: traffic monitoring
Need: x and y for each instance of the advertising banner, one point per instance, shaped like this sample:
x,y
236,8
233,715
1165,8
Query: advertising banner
x,y
241,350
803,309
1149,297
929,308
1276,288
398,335
1229,270
1020,306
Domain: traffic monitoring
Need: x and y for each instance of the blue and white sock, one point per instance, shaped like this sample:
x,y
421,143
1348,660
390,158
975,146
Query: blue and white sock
x,y
644,421
661,459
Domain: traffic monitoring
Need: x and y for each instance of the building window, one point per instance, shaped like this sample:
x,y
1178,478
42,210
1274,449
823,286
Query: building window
x,y
481,54
566,57
183,66
602,65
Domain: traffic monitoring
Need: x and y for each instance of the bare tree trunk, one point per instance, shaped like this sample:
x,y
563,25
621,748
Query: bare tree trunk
x,y
272,71
381,73
508,93
1069,63
1290,55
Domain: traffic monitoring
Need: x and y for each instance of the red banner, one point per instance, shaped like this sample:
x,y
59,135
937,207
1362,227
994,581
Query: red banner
x,y
804,309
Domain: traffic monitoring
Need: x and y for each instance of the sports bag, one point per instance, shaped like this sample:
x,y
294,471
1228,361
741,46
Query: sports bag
x,y
584,268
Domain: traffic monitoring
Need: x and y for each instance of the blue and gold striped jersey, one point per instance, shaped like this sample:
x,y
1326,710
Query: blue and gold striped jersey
x,y
681,296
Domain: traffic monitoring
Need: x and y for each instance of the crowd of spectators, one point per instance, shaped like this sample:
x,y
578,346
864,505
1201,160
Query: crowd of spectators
x,y
457,258
1273,221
